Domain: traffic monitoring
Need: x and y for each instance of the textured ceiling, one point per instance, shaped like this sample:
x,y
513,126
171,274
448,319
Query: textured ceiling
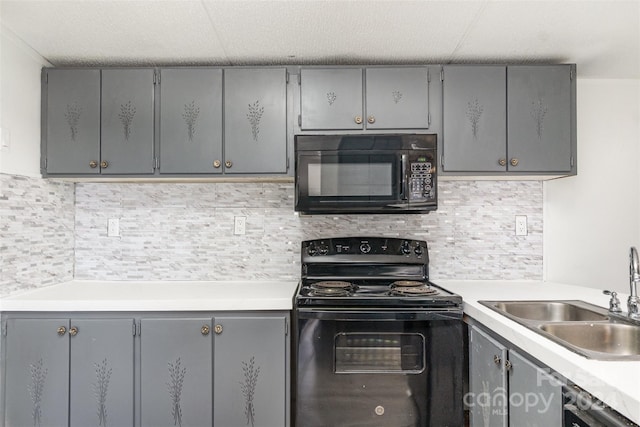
x,y
601,36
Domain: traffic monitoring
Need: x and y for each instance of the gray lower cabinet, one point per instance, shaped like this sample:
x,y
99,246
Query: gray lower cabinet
x,y
488,398
513,119
507,389
225,369
255,120
176,372
374,98
250,371
190,121
61,372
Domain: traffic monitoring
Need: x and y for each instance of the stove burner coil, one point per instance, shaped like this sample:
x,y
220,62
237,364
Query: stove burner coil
x,y
411,288
407,284
332,288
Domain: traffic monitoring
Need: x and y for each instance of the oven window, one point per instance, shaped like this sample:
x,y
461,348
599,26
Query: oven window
x,y
350,179
379,353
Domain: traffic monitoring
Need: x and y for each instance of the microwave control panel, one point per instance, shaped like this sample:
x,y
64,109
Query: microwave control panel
x,y
421,185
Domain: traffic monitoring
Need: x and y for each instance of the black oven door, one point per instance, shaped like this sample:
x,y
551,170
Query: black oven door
x,y
378,369
349,181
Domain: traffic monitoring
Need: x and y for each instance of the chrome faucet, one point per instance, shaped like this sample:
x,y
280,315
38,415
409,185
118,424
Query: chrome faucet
x,y
633,303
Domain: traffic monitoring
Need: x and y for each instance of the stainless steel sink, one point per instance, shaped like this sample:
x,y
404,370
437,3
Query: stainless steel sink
x,y
581,327
610,338
549,311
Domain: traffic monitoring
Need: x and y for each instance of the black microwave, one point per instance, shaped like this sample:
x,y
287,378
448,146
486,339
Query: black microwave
x,y
365,173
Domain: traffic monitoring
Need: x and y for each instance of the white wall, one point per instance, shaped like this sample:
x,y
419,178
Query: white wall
x,y
19,106
592,219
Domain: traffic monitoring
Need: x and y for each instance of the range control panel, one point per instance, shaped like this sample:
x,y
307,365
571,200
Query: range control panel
x,y
359,246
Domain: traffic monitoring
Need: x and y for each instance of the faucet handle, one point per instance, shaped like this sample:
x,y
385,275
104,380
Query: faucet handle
x,y
614,302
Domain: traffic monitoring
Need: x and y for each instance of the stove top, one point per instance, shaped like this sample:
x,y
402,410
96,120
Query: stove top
x,y
369,272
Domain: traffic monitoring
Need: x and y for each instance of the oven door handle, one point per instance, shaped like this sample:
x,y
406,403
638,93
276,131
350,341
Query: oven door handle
x,y
381,315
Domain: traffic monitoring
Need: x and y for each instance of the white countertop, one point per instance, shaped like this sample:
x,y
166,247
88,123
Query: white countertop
x,y
79,295
615,383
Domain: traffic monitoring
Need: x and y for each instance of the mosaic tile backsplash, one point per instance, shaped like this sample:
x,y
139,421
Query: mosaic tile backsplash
x,y
175,231
36,233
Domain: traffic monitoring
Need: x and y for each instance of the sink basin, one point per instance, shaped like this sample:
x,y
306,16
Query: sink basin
x,y
548,311
612,338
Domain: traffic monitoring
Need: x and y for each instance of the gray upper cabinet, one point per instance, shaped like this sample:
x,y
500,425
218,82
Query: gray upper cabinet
x,y
540,122
63,372
474,113
127,121
387,98
397,98
176,372
255,120
71,121
191,121
514,119
331,98
250,371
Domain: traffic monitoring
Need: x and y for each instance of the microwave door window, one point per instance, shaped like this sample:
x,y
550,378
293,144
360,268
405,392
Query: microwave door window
x,y
368,180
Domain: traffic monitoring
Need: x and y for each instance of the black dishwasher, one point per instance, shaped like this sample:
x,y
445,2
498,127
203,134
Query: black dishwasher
x,y
581,409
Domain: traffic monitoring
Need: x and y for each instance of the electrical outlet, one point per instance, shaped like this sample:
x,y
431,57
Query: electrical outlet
x,y
113,227
239,225
521,225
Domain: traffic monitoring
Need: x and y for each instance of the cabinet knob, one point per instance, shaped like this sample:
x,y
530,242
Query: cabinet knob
x,y
205,330
217,164
104,164
228,164
508,365
497,360
502,162
73,331
358,120
371,119
93,164
62,330
218,329
514,162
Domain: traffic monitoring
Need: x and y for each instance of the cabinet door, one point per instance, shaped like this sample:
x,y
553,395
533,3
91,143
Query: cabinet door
x,y
37,373
176,372
72,121
250,372
474,131
191,120
397,98
255,117
331,98
539,111
102,373
535,397
487,381
127,121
